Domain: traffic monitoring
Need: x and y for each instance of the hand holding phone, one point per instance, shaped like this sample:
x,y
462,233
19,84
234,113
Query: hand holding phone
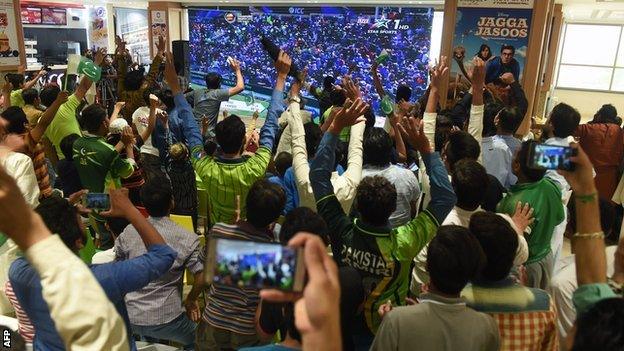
x,y
551,157
254,264
96,201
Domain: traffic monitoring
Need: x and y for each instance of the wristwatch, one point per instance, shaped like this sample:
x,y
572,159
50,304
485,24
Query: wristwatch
x,y
296,99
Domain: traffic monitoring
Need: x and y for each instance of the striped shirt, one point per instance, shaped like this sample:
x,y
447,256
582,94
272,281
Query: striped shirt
x,y
160,301
226,178
37,154
25,328
228,307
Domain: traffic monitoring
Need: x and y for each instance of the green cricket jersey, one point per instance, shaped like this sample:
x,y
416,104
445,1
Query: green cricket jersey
x,y
382,255
226,178
544,197
99,164
16,98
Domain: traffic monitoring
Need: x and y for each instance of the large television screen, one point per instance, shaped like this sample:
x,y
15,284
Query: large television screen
x,y
31,15
54,16
327,40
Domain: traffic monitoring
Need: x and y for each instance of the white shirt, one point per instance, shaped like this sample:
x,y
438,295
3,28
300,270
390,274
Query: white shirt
x,y
140,118
20,167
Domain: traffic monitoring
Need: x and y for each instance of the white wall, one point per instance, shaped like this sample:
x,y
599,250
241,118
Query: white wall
x,y
588,102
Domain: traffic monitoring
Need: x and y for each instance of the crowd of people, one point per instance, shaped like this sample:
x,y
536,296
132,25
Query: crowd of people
x,y
327,44
431,233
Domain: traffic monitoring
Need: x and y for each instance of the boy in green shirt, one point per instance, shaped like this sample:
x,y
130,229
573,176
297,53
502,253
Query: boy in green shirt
x,y
544,196
17,85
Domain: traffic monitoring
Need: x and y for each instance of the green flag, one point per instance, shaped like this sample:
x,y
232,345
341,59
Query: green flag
x,y
386,105
89,69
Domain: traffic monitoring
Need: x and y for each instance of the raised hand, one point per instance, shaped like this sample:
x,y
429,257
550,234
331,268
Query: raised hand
x,y
154,102
437,73
235,65
507,78
127,136
412,131
119,202
170,74
99,56
352,91
62,97
478,73
160,46
282,65
163,117
119,105
349,115
523,216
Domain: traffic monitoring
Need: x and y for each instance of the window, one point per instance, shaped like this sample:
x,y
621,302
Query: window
x,y
592,57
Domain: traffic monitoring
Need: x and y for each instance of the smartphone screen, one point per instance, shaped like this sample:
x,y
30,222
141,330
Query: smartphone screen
x,y
551,157
97,201
254,264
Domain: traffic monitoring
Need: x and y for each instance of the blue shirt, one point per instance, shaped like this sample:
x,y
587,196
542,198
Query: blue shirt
x,y
116,278
176,131
290,187
497,158
495,68
512,142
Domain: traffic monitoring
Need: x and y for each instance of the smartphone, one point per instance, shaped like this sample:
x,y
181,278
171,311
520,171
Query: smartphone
x,y
96,201
543,156
254,264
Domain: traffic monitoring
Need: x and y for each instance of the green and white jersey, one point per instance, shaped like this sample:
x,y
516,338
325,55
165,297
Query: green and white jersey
x,y
99,164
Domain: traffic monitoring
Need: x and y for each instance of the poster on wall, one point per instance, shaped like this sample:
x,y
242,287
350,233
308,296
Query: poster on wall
x,y
9,45
159,27
98,33
500,36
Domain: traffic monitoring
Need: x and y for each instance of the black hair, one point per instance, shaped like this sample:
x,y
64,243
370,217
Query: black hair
x,y
213,80
92,117
377,147
489,115
61,218
328,83
606,114
30,95
499,242
210,146
166,97
134,79
601,327
17,120
461,145
16,79
265,203
509,119
376,200
313,135
444,125
146,95
522,157
117,225
454,258
484,46
469,179
508,47
564,119
283,161
156,196
49,94
403,92
337,97
230,133
303,219
67,146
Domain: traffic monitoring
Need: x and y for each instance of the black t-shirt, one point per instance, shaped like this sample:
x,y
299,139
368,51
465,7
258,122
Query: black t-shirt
x,y
272,318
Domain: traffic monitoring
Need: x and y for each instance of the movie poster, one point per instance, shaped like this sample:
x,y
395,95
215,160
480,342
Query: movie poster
x,y
159,27
9,45
98,33
484,27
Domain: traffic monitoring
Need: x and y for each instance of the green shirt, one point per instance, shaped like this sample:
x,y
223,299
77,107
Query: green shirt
x,y
226,178
17,99
383,256
98,164
544,197
344,134
585,296
64,124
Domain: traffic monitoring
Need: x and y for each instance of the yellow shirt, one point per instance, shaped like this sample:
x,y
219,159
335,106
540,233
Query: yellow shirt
x,y
17,99
32,114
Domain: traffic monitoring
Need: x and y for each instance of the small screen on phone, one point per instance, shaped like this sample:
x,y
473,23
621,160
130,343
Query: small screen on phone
x,y
97,201
252,264
552,157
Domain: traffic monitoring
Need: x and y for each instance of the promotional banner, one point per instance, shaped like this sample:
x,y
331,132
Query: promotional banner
x,y
159,27
9,46
98,34
500,36
508,4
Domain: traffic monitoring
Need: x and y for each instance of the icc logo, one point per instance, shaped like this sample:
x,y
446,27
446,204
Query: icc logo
x,y
295,10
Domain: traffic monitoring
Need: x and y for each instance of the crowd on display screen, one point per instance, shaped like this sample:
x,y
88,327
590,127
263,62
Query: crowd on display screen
x,y
136,213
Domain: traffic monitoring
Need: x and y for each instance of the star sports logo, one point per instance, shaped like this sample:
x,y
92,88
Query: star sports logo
x,y
381,23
